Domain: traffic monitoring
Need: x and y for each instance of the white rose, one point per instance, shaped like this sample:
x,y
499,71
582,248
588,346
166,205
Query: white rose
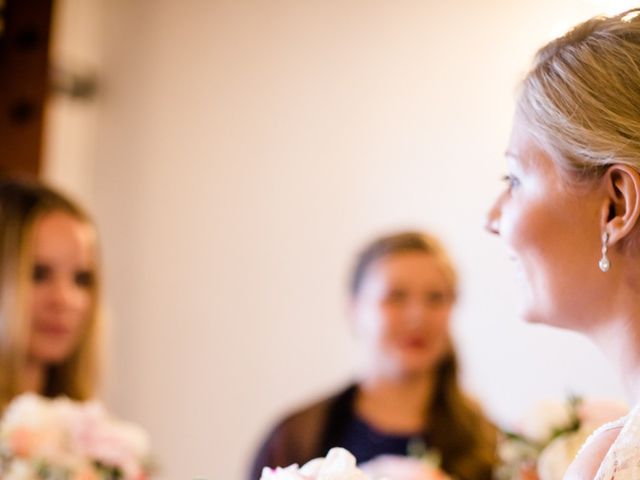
x,y
26,410
544,418
339,464
20,470
292,472
558,455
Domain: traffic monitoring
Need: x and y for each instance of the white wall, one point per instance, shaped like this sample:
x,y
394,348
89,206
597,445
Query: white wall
x,y
77,40
246,149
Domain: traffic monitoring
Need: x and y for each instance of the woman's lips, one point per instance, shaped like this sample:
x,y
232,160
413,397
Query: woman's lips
x,y
414,343
53,329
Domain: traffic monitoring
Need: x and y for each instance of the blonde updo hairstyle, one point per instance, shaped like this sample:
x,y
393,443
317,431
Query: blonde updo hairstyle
x,y
581,99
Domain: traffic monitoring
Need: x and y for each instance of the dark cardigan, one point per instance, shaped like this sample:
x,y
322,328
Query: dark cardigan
x,y
311,432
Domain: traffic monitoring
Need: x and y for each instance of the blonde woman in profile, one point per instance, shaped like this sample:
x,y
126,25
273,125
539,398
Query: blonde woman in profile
x,y
402,290
570,213
49,300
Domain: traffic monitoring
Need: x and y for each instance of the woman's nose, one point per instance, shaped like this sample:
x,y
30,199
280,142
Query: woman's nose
x,y
63,293
492,222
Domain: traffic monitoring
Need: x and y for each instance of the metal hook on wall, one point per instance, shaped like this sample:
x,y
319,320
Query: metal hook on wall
x,y
72,83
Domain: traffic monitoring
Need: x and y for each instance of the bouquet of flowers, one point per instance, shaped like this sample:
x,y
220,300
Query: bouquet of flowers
x,y
549,438
60,439
339,464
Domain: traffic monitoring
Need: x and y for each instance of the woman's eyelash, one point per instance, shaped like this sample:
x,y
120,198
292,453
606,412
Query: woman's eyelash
x,y
510,180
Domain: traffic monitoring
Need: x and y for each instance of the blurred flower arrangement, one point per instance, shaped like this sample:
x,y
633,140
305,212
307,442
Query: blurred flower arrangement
x,y
60,439
396,467
339,464
420,463
550,436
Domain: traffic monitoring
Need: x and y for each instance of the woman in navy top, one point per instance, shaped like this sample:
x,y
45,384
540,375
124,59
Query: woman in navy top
x,y
408,398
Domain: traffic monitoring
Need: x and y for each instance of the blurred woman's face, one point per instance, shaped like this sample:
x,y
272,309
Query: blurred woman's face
x,y
61,291
551,230
401,313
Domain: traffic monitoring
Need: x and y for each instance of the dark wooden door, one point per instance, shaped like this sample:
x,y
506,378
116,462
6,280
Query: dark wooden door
x,y
24,49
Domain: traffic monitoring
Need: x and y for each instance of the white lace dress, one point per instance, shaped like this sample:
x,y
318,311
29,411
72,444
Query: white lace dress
x,y
622,461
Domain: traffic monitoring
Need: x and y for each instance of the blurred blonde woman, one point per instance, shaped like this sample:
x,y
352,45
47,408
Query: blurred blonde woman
x,y
569,215
408,397
49,294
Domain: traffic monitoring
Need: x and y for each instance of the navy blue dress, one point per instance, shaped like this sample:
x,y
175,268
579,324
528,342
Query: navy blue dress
x,y
366,443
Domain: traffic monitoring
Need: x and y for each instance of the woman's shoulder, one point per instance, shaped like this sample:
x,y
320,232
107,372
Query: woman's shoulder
x,y
298,436
588,461
319,410
313,415
622,460
613,451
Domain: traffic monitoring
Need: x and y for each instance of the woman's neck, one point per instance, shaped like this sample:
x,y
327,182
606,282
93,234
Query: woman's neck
x,y
396,405
32,378
617,328
619,340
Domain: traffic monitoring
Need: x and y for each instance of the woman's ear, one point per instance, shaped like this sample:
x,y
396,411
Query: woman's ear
x,y
621,208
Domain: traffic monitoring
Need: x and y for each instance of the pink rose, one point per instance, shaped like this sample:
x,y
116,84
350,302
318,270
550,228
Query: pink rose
x,y
21,442
87,473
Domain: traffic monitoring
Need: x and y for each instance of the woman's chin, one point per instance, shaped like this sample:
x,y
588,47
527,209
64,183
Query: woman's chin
x,y
529,310
52,355
533,317
528,317
413,364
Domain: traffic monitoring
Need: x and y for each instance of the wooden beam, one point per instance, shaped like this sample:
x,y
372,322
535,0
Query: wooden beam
x,y
24,80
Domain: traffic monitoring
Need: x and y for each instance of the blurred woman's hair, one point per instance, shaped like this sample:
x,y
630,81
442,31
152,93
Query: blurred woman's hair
x,y
458,428
581,99
22,204
409,241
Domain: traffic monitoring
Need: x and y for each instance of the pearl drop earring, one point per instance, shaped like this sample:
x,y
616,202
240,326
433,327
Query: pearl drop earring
x,y
604,262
